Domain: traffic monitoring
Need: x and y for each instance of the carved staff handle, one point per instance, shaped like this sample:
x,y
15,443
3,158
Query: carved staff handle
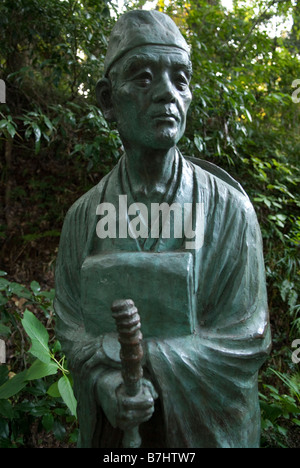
x,y
130,337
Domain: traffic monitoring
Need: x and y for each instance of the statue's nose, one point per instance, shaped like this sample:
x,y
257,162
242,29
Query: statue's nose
x,y
164,90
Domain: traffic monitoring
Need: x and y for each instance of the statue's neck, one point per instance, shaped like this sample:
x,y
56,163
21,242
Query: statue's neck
x,y
150,173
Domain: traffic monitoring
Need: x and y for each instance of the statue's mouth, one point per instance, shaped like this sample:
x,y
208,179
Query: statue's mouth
x,y
166,117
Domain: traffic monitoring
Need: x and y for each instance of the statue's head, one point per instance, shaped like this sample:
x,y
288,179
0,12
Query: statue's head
x,y
146,85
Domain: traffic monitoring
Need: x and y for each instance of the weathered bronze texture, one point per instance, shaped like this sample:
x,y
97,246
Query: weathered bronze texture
x,y
194,268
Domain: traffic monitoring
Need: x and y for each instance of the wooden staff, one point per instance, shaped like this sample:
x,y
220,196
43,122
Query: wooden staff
x,y
130,337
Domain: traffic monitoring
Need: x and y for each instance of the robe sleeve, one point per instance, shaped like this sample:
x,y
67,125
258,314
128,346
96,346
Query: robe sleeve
x,y
69,321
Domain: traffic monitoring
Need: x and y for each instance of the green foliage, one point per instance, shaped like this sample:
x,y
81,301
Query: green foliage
x,y
39,390
279,410
50,68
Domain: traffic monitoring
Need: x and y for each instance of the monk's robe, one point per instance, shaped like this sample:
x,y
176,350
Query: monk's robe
x,y
203,311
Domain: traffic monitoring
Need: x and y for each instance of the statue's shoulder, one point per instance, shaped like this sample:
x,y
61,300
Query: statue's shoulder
x,y
230,194
83,203
218,173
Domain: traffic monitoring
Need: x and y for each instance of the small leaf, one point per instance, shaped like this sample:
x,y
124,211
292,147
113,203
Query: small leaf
x,y
53,390
3,284
48,123
48,421
40,369
19,290
37,131
35,287
13,385
66,391
11,129
198,143
248,115
38,335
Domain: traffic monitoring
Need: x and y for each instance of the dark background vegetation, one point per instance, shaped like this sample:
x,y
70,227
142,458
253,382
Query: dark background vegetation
x,y
55,145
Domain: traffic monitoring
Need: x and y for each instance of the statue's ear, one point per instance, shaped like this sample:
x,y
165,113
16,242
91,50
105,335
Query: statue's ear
x,y
103,95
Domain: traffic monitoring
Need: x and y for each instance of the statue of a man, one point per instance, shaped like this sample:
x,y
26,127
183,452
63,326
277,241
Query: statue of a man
x,y
198,282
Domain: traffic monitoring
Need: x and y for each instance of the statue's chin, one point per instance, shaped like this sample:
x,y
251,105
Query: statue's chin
x,y
161,137
166,138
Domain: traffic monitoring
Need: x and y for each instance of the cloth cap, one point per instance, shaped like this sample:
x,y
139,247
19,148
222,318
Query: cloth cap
x,y
142,27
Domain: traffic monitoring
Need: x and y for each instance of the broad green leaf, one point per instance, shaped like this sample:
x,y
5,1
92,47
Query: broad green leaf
x,y
13,385
38,335
40,369
66,391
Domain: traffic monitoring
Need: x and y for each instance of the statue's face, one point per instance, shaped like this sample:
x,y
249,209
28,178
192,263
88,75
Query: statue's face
x,y
151,96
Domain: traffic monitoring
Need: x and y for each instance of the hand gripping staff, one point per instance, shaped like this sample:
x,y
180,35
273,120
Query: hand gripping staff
x,y
130,337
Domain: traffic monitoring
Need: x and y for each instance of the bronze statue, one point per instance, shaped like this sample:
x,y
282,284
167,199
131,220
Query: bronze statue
x,y
179,238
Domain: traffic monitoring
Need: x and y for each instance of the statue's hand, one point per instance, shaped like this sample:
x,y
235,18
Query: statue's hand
x,y
120,409
134,410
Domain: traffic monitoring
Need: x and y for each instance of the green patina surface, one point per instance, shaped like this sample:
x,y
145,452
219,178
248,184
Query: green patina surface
x,y
203,308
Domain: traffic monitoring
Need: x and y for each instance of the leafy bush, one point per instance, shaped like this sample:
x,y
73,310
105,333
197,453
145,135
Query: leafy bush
x,y
280,411
37,393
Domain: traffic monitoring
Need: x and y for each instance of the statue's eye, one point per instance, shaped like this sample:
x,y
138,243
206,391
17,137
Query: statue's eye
x,y
181,81
143,79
